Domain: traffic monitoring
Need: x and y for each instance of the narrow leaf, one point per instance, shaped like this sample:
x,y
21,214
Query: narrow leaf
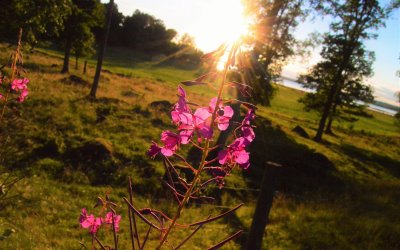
x,y
193,83
145,238
220,50
140,215
202,77
217,217
190,236
219,245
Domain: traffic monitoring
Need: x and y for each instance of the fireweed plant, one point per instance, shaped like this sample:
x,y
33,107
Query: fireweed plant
x,y
196,126
13,90
15,87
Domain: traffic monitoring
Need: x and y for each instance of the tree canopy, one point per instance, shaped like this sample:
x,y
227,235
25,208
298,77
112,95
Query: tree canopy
x,y
338,79
40,19
272,41
77,32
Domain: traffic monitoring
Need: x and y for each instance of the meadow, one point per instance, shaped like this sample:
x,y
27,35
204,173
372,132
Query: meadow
x,y
343,193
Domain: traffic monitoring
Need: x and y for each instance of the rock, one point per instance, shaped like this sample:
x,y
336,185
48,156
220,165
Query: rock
x,y
129,93
300,131
76,80
163,106
92,151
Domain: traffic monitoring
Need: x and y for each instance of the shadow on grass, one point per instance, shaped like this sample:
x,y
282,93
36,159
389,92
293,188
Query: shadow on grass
x,y
42,68
389,165
302,169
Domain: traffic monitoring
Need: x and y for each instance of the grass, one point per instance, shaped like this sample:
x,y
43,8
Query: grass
x,y
340,194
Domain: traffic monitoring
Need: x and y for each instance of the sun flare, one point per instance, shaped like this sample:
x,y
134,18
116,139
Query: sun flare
x,y
223,22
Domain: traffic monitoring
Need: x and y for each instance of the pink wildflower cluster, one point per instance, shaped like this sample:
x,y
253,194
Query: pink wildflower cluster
x,y
20,86
93,223
236,151
196,126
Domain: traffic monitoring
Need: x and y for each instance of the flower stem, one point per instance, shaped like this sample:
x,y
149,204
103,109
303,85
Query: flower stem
x,y
13,72
203,157
114,232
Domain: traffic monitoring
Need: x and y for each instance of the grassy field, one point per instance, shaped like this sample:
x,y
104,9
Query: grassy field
x,y
341,194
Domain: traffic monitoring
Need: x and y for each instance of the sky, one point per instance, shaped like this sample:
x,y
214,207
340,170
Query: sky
x,y
213,22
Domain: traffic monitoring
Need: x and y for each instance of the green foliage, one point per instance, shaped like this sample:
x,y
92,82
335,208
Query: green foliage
x,y
351,99
77,33
338,78
144,32
308,212
272,41
41,19
53,168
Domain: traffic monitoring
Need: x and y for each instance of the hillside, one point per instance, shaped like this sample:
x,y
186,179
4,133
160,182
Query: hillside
x,y
341,194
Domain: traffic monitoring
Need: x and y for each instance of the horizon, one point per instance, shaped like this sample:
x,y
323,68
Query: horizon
x,y
202,20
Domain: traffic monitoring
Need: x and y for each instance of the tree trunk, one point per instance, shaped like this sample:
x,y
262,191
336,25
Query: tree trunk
x,y
328,129
76,62
84,67
263,207
67,54
325,114
333,93
102,51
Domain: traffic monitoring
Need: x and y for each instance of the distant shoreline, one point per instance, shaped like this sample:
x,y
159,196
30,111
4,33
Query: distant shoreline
x,y
378,106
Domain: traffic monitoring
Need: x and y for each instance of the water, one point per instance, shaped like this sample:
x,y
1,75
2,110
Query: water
x,y
292,84
295,85
382,109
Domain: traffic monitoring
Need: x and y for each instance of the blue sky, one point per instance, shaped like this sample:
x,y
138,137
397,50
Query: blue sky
x,y
205,19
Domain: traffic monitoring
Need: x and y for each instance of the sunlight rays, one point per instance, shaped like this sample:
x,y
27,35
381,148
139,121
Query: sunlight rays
x,y
224,22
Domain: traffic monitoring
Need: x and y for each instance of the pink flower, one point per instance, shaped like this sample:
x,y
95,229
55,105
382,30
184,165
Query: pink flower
x,y
89,221
247,130
23,95
250,115
181,113
1,96
154,150
109,219
171,142
19,84
224,114
235,154
200,124
248,134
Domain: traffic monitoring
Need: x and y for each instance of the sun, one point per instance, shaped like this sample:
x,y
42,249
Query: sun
x,y
223,21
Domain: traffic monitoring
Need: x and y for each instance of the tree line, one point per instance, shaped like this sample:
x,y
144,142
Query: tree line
x,y
76,26
337,81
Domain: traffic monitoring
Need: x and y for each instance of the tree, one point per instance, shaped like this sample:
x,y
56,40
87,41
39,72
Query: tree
x,y
352,97
115,33
40,19
397,115
183,53
344,59
83,45
85,15
272,41
102,50
144,32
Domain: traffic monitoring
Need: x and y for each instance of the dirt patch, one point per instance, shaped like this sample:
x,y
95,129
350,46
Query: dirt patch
x,y
75,80
162,106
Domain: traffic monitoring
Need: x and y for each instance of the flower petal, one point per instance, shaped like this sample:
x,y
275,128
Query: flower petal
x,y
228,111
